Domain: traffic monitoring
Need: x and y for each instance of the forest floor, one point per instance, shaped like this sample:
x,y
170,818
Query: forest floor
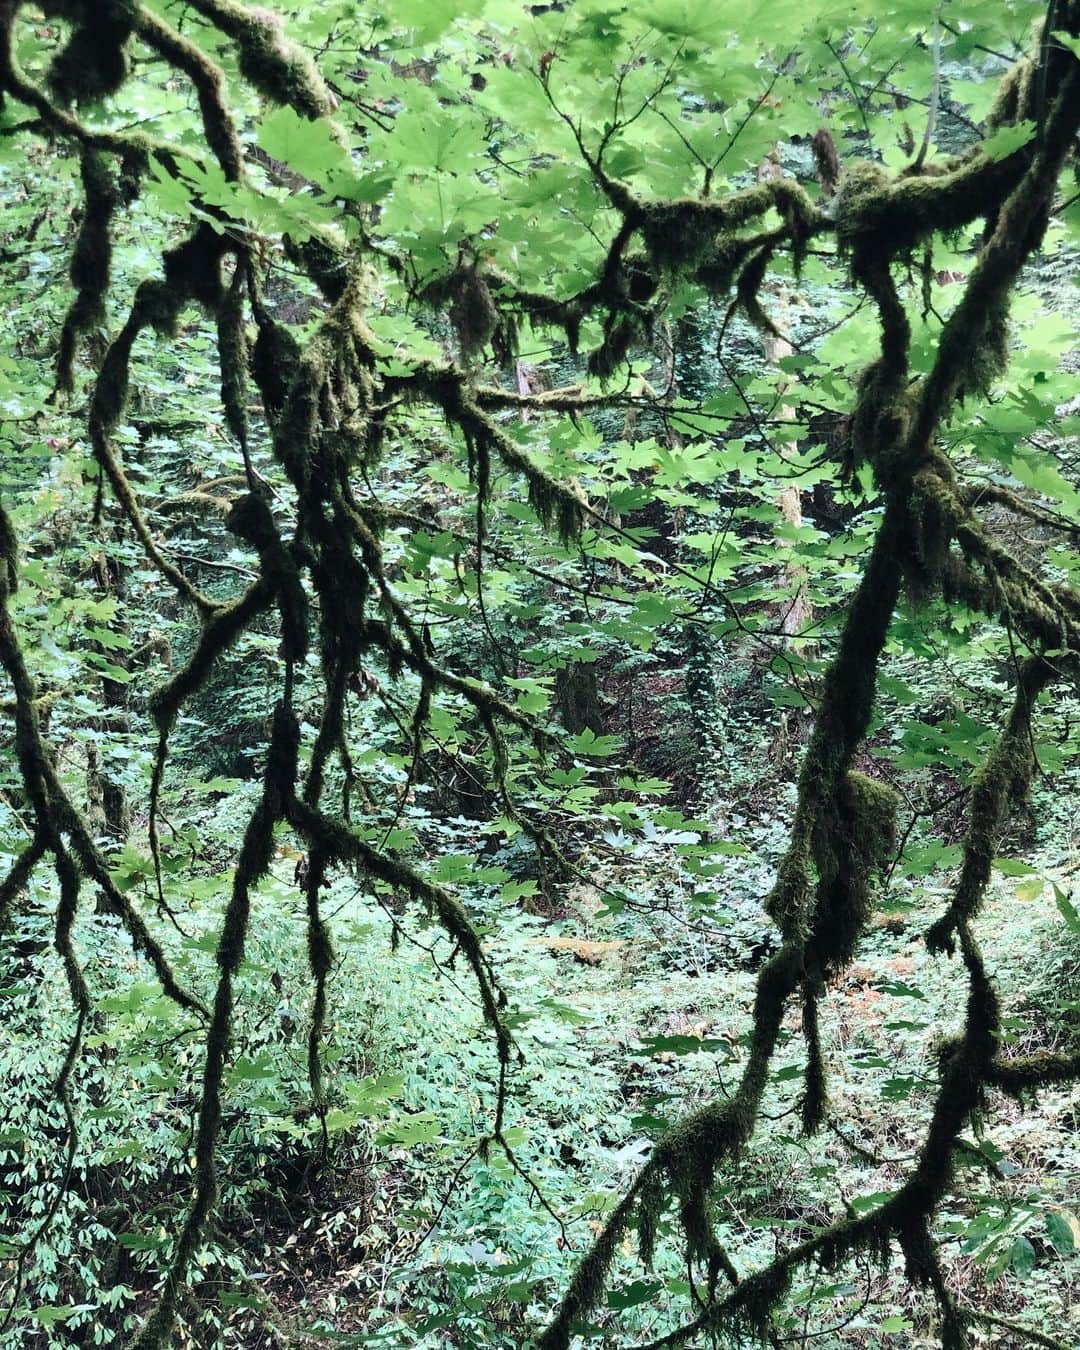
x,y
637,1018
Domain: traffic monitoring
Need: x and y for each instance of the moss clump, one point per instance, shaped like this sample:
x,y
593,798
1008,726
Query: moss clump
x,y
326,265
9,556
935,512
467,296
622,332
680,235
280,69
94,62
861,183
275,363
881,420
860,213
1015,98
193,269
472,310
854,838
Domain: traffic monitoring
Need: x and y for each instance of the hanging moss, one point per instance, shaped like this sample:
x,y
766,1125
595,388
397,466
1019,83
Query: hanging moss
x,y
935,514
9,556
542,310
275,363
466,295
134,165
192,272
327,404
320,961
720,266
1015,97
193,269
622,332
815,1088
472,311
968,1064
826,160
94,62
251,519
96,869
109,399
854,838
1001,782
341,845
18,877
327,266
91,261
234,358
748,288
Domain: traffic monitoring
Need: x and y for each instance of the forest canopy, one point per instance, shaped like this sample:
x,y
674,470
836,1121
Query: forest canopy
x,y
539,631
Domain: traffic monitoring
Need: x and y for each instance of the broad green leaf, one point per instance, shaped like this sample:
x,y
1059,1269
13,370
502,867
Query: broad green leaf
x,y
1063,1231
1066,908
1022,1257
422,1128
1067,40
310,148
630,1295
50,1317
1007,140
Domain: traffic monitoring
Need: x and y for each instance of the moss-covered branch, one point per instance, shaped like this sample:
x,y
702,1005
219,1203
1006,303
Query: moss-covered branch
x,y
320,563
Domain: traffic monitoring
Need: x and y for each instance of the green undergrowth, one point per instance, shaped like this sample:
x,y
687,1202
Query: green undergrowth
x,y
629,1009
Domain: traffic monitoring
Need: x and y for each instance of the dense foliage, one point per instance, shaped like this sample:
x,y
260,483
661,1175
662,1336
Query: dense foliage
x,y
534,570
